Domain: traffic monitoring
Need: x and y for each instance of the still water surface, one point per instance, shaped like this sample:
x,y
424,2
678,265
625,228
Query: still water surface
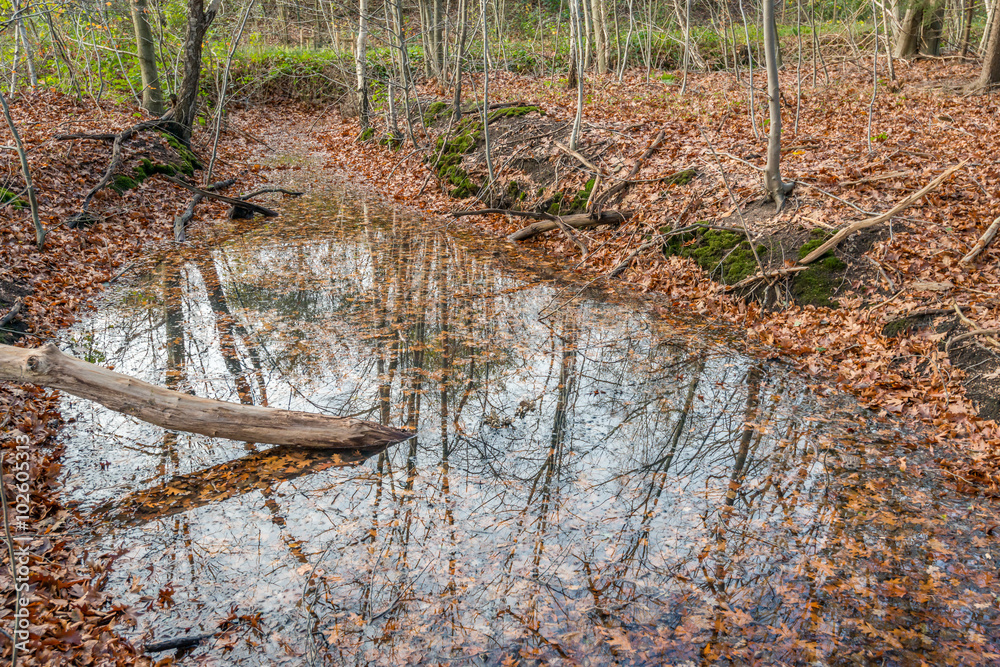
x,y
590,483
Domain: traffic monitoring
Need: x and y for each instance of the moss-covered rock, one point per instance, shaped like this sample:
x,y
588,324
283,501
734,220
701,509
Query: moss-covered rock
x,y
433,110
724,255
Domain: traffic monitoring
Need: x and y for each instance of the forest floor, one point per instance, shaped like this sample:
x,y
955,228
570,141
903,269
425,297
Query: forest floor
x,y
892,296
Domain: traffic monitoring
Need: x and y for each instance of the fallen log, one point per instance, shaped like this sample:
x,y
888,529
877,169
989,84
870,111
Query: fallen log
x,y
48,367
578,221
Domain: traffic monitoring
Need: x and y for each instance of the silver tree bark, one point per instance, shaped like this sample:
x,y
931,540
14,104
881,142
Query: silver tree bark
x,y
775,187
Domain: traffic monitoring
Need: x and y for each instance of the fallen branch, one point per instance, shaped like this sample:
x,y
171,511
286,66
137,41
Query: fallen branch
x,y
293,193
619,187
519,214
837,238
769,275
989,333
48,367
578,221
236,203
181,221
116,156
12,313
976,331
983,241
177,642
584,161
571,235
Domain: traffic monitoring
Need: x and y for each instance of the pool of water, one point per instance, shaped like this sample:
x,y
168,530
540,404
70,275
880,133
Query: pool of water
x,y
591,482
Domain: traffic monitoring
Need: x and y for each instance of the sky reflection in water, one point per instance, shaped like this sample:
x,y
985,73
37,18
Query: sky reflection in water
x,y
590,484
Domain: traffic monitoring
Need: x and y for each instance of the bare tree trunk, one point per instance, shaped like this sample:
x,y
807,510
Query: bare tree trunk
x,y
775,187
199,20
152,91
360,64
486,103
989,76
908,39
967,27
599,21
23,155
574,6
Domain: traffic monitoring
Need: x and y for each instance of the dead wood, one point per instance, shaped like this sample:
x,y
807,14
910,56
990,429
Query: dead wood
x,y
976,330
769,276
12,313
520,214
578,221
573,237
584,161
988,333
48,367
84,215
983,242
620,187
837,238
181,221
255,193
236,203
176,642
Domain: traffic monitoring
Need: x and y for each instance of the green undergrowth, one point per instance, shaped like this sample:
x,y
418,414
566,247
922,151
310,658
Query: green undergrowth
x,y
722,254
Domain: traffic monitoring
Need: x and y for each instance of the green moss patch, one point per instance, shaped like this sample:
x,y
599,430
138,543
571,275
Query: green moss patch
x,y
514,112
448,154
187,161
816,285
433,110
11,197
120,183
366,134
682,177
722,254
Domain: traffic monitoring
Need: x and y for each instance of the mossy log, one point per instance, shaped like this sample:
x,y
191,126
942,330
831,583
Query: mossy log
x,y
48,367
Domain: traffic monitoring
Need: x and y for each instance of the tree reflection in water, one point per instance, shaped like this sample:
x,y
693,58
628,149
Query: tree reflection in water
x,y
589,483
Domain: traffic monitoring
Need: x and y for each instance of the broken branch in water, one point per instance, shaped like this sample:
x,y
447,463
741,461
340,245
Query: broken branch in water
x,y
236,203
48,367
